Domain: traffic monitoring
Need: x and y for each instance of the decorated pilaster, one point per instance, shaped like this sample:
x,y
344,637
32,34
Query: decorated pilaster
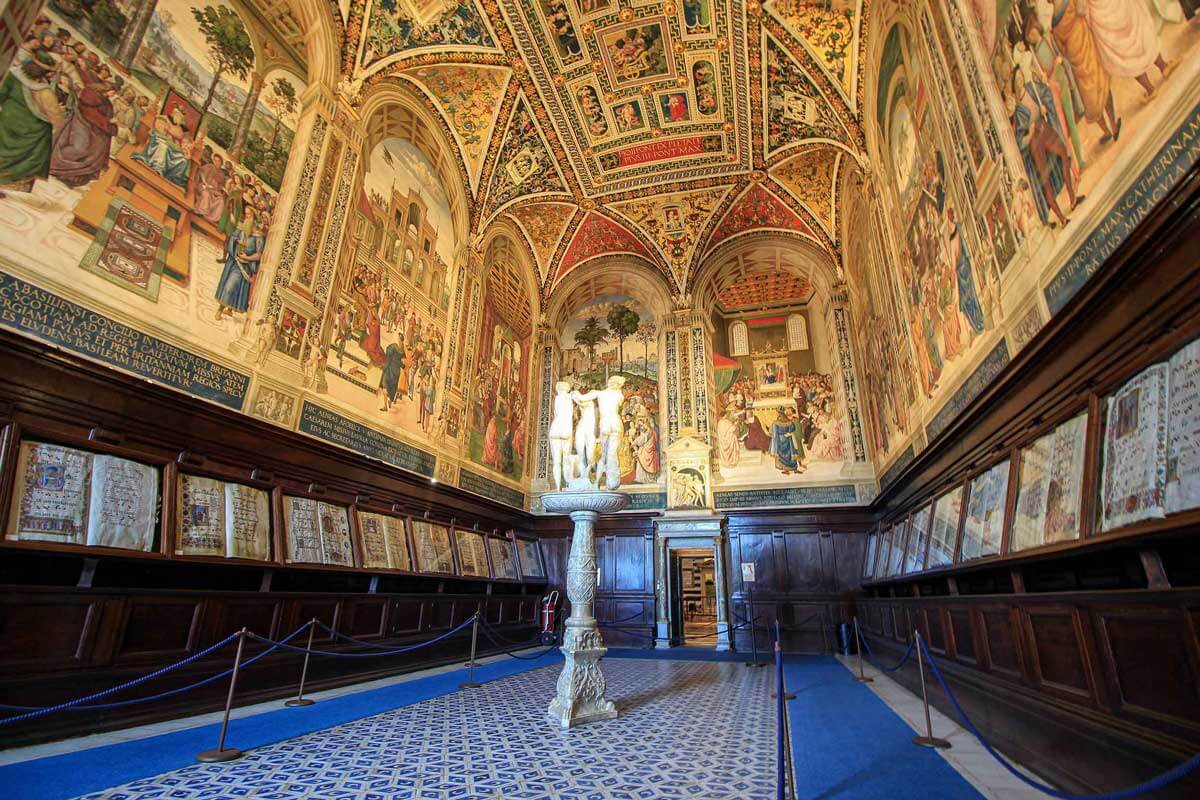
x,y
306,244
547,364
689,392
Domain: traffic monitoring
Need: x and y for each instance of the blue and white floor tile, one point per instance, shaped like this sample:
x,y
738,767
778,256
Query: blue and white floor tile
x,y
686,730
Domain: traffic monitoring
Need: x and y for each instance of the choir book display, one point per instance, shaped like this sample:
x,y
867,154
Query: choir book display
x,y
72,496
222,519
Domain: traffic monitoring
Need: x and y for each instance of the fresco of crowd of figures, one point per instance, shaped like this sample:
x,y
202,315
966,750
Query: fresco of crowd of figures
x,y
833,221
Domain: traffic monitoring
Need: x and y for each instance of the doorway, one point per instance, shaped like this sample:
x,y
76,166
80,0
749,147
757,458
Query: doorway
x,y
694,597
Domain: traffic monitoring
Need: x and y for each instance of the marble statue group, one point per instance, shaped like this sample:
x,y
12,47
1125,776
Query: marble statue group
x,y
581,459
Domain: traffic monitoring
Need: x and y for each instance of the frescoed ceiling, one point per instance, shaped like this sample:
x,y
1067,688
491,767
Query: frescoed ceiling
x,y
659,128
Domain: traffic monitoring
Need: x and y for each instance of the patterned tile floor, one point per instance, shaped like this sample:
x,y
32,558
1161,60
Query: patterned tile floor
x,y
497,743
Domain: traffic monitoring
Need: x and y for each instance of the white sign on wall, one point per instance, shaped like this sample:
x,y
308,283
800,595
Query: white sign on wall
x,y
747,572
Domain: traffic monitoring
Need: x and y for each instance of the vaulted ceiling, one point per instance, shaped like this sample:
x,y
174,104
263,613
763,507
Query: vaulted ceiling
x,y
656,129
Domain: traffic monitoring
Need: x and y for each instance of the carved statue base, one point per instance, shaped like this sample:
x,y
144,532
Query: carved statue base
x,y
581,688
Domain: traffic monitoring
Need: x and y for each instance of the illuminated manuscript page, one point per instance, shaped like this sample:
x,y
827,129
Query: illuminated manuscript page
x,y
201,527
123,504
1183,444
248,522
1135,450
50,503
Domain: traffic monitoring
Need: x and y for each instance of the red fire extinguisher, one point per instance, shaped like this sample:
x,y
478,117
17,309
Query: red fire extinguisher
x,y
549,615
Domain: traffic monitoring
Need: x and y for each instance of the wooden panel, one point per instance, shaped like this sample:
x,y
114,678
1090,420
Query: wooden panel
x,y
257,616
935,630
1056,651
325,611
759,549
1150,663
443,614
805,571
630,556
366,618
159,626
1000,643
406,616
38,632
963,635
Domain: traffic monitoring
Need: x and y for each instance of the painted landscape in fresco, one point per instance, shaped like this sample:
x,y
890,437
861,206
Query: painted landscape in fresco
x,y
615,335
384,356
139,159
777,415
498,426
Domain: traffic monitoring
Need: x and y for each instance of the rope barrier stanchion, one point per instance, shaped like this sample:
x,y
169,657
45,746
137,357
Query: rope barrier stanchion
x,y
861,677
786,694
470,682
928,740
752,622
300,700
223,753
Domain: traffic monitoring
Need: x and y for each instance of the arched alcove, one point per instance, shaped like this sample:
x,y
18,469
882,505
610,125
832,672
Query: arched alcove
x,y
780,406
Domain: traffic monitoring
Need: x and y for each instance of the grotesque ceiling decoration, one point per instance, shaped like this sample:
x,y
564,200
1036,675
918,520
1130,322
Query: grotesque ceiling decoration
x,y
654,129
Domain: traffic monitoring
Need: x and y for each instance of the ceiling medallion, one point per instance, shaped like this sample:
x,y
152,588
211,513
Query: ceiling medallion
x,y
518,64
678,48
757,176
682,81
668,8
727,127
656,132
587,28
647,89
626,14
560,79
587,203
610,97
722,43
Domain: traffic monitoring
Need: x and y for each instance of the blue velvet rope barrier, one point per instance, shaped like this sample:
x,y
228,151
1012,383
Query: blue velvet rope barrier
x,y
487,631
378,654
780,764
79,704
1154,784
871,656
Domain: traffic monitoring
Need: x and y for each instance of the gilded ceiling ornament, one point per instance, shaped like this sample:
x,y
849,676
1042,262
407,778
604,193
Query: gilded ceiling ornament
x,y
518,64
722,43
678,47
587,28
656,132
669,8
757,175
626,14
587,203
727,127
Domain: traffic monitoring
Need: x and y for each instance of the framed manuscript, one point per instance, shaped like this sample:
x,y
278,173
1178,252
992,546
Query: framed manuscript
x,y
944,529
869,558
918,540
1183,441
317,532
504,558
472,553
222,519
885,553
896,556
384,541
529,554
1133,485
373,538
431,543
1049,487
72,496
337,547
984,522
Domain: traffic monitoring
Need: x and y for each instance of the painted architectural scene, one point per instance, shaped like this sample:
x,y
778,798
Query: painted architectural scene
x,y
388,319
498,414
778,415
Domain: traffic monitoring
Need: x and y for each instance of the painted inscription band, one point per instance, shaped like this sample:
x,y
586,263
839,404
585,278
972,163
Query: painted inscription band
x,y
43,315
794,496
331,427
477,484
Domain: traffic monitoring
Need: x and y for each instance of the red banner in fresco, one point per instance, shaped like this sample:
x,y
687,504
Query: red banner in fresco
x,y
662,150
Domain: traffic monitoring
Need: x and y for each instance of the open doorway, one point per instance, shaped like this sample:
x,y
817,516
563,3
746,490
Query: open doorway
x,y
694,596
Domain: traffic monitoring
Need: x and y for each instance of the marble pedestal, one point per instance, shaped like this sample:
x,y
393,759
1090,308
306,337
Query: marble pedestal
x,y
580,698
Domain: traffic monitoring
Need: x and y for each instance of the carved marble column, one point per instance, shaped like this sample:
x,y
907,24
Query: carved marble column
x,y
580,696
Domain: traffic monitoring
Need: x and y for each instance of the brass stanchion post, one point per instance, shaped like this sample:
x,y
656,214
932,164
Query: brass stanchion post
x,y
786,694
858,645
470,683
300,700
222,753
753,662
928,740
